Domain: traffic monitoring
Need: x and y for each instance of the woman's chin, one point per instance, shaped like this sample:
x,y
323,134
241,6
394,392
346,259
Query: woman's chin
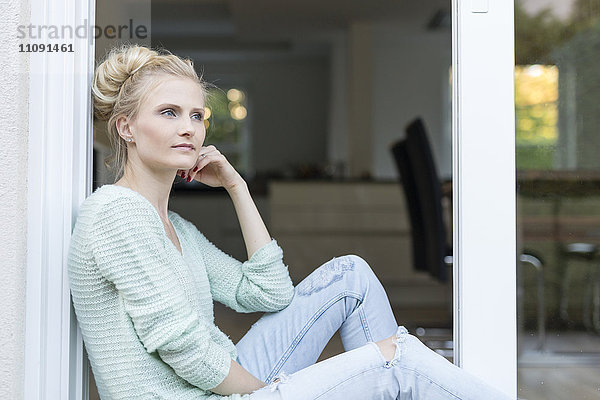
x,y
184,168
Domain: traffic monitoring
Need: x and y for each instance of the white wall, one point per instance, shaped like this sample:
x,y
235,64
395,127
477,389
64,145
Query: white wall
x,y
14,97
392,72
337,137
410,79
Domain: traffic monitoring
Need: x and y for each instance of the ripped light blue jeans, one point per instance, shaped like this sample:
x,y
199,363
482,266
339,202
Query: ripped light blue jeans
x,y
345,294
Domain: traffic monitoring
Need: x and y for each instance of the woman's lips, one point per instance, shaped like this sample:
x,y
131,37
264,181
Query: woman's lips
x,y
184,148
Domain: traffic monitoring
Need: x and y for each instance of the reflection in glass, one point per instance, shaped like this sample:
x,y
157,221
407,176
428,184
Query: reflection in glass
x,y
226,125
536,102
557,92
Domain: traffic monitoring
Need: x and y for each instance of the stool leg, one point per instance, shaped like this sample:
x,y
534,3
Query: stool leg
x,y
564,298
596,299
587,299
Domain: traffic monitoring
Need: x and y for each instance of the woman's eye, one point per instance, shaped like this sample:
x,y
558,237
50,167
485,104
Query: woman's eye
x,y
168,112
198,116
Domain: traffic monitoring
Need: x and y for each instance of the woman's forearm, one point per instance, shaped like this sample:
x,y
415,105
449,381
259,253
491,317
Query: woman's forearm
x,y
253,228
239,380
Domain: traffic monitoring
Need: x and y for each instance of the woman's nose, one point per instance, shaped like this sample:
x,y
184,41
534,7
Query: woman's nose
x,y
188,128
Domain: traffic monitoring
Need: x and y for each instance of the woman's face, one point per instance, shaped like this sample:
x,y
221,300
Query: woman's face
x,y
172,114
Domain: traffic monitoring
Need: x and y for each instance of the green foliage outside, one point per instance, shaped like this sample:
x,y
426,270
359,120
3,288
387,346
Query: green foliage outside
x,y
536,79
224,120
536,36
222,128
536,111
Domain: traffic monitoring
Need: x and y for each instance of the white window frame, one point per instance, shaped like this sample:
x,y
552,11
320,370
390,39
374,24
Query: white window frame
x,y
59,179
485,331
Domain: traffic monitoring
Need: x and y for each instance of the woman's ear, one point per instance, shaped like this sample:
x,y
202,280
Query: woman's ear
x,y
122,124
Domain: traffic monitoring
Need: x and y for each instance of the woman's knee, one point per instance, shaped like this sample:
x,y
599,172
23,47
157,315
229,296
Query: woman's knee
x,y
355,271
359,266
345,268
351,266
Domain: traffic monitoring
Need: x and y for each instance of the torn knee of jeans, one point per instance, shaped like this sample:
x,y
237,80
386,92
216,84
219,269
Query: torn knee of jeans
x,y
283,378
325,275
399,339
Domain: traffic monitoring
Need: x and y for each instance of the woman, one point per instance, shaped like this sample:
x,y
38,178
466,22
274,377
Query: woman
x,y
144,279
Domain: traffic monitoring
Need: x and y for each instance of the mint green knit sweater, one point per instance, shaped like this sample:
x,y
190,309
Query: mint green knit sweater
x,y
146,311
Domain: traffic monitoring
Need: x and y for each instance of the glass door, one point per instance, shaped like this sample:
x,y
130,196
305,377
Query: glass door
x,y
540,139
557,86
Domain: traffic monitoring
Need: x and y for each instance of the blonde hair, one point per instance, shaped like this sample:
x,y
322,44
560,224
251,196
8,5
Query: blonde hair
x,y
121,83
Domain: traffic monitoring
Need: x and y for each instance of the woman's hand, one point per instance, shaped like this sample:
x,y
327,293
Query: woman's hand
x,y
212,169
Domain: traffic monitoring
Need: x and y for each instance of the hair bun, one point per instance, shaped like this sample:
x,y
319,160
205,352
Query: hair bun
x,y
120,64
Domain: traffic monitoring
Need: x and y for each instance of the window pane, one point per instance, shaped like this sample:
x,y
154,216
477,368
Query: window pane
x,y
557,88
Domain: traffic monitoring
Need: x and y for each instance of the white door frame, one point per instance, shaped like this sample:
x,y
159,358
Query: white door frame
x,y
59,179
485,331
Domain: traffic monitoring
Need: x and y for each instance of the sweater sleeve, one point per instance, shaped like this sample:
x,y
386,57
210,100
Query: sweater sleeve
x,y
262,283
129,249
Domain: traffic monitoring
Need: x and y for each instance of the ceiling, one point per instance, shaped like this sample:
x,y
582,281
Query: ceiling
x,y
274,25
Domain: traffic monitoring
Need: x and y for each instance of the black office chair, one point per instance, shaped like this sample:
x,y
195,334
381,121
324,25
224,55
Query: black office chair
x,y
430,249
